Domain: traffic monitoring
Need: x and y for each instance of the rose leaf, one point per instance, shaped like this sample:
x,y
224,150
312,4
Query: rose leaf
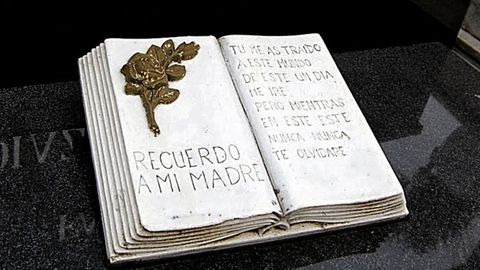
x,y
175,72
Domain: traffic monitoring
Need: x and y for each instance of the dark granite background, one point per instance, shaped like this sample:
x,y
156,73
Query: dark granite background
x,y
422,102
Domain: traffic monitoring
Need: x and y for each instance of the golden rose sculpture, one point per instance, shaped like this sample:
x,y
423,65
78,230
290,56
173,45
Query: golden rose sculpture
x,y
148,75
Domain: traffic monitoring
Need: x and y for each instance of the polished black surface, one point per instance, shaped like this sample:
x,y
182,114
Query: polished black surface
x,y
422,102
48,37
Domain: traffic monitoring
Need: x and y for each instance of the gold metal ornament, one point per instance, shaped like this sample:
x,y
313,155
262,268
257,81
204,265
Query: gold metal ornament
x,y
148,74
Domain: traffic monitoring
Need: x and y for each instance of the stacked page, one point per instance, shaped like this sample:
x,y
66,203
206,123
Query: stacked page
x,y
254,139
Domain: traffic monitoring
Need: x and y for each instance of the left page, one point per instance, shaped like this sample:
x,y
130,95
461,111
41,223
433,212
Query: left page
x,y
205,167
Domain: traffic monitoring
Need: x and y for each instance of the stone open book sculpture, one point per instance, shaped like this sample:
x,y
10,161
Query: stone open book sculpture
x,y
266,142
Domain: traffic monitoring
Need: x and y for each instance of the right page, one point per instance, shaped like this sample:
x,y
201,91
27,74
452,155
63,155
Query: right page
x,y
315,141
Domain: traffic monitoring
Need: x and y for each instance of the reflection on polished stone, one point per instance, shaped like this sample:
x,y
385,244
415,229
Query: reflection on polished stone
x,y
408,154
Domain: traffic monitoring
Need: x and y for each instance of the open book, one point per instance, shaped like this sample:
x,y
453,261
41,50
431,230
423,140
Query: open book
x,y
254,139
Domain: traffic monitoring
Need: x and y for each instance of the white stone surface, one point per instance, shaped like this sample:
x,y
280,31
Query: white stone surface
x,y
361,174
207,114
211,115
